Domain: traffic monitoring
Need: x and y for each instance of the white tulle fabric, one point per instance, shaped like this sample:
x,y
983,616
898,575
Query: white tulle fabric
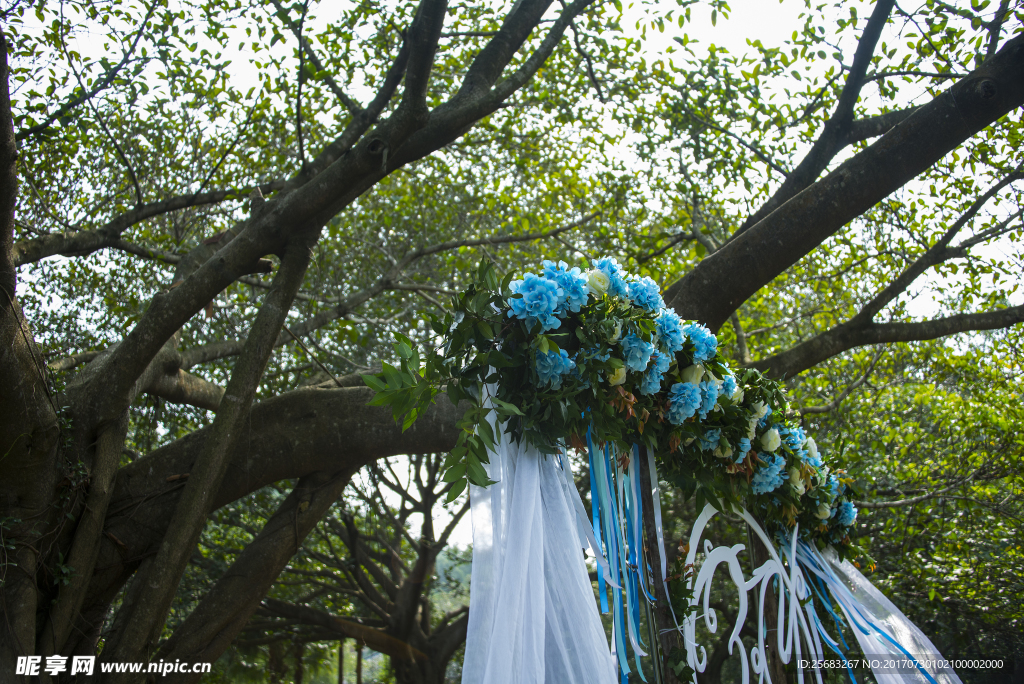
x,y
532,614
874,605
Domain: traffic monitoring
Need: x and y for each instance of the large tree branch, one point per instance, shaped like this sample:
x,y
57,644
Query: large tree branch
x,y
835,133
848,336
149,610
936,254
366,636
226,608
711,291
289,436
473,100
874,126
308,207
109,234
185,388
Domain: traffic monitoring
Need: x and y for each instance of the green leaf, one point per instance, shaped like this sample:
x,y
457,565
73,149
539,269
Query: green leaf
x,y
394,377
455,472
374,383
456,490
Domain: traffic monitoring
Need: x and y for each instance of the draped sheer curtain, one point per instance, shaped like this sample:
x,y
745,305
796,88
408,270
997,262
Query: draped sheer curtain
x,y
878,609
532,614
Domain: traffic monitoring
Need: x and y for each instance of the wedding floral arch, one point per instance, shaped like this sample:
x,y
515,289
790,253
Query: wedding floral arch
x,y
595,361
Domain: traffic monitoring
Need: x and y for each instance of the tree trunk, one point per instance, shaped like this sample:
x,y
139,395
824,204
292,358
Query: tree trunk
x,y
30,464
276,663
341,661
299,650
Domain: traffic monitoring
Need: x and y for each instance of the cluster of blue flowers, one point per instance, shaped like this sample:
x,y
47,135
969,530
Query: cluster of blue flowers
x,y
617,286
834,486
546,299
551,366
771,475
656,369
704,341
708,398
645,293
573,283
670,331
741,450
710,439
636,353
540,299
683,401
728,386
847,513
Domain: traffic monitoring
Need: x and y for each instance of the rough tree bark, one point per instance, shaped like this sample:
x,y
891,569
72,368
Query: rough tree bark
x,y
30,468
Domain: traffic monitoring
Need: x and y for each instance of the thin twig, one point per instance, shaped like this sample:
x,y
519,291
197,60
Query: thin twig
x,y
313,356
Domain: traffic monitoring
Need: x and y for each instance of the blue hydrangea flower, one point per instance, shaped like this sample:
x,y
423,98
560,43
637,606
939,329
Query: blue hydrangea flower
x,y
728,386
610,267
660,362
573,284
670,331
741,449
710,439
656,368
635,352
708,398
835,487
792,437
540,298
770,476
766,420
847,513
551,366
644,292
683,401
704,341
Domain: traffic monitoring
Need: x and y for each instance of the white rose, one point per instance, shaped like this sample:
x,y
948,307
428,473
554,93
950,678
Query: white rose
x,y
693,374
770,441
760,409
824,511
812,448
752,428
598,282
797,481
617,377
618,332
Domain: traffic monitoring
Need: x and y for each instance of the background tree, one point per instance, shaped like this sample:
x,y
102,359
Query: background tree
x,y
160,374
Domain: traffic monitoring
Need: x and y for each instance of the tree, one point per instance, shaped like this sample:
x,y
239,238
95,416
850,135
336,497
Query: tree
x,y
364,559
482,131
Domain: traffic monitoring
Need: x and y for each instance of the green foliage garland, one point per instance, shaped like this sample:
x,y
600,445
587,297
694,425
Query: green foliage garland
x,y
733,448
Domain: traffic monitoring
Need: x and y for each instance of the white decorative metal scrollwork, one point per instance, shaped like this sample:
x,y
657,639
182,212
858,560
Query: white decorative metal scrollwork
x,y
792,622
